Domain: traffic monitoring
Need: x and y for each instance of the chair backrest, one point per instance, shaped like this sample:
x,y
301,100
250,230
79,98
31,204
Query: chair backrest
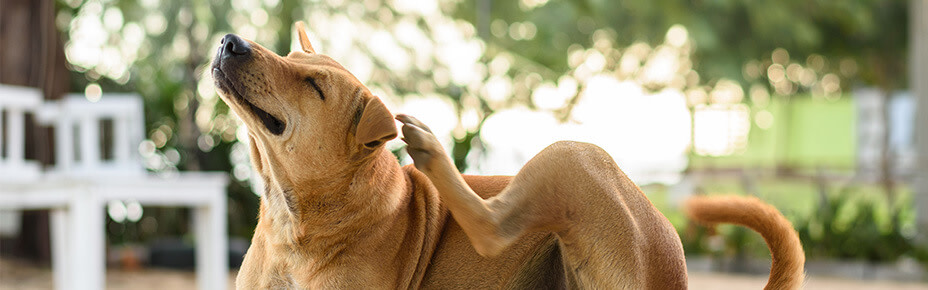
x,y
96,138
15,103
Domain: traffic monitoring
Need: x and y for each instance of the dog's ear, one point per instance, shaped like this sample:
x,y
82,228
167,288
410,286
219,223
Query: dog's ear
x,y
304,38
375,125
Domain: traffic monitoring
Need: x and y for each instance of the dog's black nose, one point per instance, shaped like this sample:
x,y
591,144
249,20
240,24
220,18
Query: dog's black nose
x,y
231,46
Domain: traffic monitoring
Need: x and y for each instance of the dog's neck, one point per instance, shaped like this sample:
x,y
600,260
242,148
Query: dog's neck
x,y
315,210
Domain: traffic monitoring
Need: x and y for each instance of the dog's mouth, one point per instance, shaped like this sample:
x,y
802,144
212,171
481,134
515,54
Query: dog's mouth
x,y
270,122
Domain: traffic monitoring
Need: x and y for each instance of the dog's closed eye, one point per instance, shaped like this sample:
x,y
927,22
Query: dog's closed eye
x,y
312,83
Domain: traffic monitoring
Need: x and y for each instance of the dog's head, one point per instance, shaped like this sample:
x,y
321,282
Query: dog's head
x,y
308,117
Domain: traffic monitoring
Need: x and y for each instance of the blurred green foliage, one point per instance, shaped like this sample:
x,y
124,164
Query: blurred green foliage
x,y
852,222
726,33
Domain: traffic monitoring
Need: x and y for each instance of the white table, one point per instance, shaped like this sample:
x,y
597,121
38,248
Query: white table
x,y
78,221
77,188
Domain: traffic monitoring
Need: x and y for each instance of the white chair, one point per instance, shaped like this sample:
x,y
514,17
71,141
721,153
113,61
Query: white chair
x,y
81,122
21,184
82,181
15,103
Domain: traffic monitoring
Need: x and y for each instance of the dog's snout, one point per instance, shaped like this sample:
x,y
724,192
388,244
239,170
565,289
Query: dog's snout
x,y
231,46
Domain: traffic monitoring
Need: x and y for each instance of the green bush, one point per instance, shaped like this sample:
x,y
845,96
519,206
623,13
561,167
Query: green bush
x,y
857,222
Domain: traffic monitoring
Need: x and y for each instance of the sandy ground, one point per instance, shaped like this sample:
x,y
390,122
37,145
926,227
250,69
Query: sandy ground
x,y
24,275
712,281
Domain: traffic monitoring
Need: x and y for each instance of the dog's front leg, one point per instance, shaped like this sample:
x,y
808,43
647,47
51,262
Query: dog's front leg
x,y
480,219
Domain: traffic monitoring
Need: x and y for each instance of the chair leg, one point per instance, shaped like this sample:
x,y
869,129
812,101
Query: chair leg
x,y
211,246
59,239
88,242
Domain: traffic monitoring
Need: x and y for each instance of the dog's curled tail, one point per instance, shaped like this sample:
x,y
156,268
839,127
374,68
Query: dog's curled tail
x,y
786,271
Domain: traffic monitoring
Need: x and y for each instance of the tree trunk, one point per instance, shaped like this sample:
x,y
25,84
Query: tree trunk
x,y
886,152
32,55
918,27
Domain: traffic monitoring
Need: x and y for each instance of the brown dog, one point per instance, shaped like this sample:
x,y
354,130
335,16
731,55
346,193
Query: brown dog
x,y
339,211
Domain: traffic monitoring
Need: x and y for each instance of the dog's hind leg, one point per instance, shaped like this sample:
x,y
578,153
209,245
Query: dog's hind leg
x,y
610,234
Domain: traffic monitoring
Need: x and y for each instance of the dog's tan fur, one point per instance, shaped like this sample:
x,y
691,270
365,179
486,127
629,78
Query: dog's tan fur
x,y
339,211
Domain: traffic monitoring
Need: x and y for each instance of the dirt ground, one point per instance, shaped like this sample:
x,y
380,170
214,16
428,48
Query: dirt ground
x,y
24,275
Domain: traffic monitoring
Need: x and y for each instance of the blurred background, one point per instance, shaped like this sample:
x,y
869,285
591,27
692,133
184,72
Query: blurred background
x,y
810,105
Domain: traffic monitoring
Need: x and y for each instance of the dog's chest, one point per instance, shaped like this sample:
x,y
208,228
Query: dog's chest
x,y
339,278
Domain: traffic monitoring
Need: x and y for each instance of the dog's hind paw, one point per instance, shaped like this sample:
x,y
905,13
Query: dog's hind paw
x,y
422,145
